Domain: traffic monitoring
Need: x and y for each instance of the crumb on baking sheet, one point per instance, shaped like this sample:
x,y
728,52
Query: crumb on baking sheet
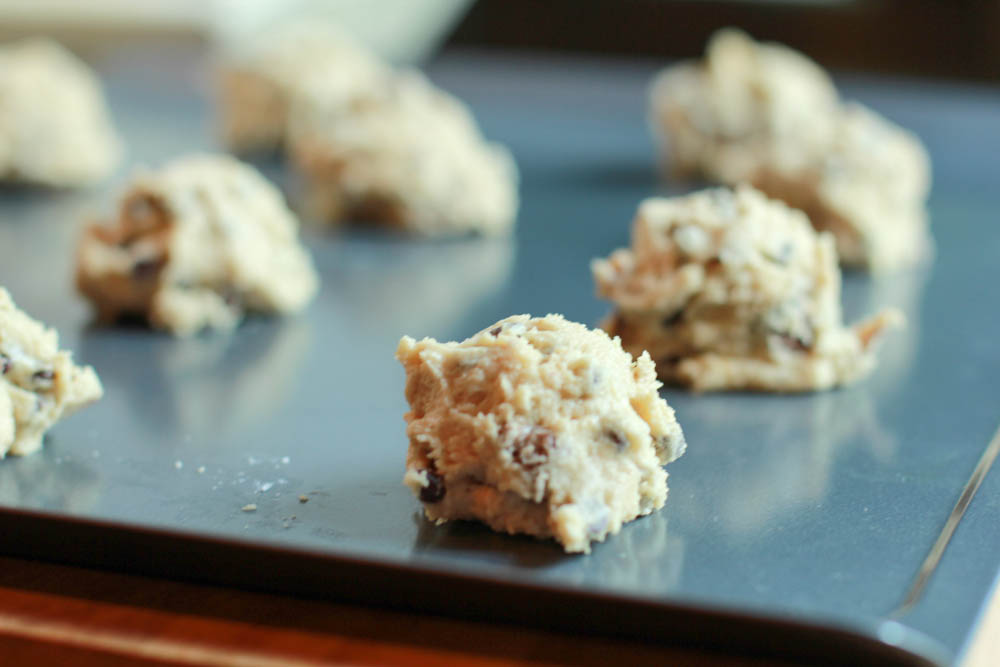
x,y
303,498
252,507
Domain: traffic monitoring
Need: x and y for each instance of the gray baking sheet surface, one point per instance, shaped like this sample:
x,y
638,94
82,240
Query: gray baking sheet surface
x,y
815,507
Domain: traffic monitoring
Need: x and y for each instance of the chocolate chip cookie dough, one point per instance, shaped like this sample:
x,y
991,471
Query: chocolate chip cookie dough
x,y
732,290
403,154
55,129
39,383
196,245
764,114
257,84
538,426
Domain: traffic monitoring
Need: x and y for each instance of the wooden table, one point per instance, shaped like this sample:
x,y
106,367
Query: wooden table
x,y
52,614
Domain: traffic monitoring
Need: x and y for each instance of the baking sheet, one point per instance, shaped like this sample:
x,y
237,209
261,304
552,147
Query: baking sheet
x,y
819,508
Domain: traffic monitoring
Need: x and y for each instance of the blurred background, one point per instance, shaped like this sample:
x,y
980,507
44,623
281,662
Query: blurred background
x,y
938,38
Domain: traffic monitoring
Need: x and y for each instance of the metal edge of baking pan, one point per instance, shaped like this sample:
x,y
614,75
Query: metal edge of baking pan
x,y
374,582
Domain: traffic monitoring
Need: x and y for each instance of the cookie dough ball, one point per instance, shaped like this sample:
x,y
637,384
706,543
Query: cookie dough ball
x,y
538,426
766,115
404,154
257,85
55,129
732,290
39,383
197,245
868,189
744,99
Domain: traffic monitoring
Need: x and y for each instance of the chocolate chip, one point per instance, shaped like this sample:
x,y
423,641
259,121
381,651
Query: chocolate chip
x,y
795,342
670,360
434,490
617,438
43,377
496,331
4,364
532,450
666,442
673,318
146,269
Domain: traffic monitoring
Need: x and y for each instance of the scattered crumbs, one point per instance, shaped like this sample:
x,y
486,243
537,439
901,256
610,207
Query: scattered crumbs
x,y
286,460
252,507
201,470
178,464
303,498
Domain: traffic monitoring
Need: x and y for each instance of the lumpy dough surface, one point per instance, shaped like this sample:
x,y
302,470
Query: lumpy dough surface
x,y
403,154
55,128
39,383
197,245
538,426
764,114
732,290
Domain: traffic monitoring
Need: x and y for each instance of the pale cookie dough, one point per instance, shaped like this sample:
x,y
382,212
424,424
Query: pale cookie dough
x,y
39,383
538,426
766,115
55,129
732,290
197,245
404,154
257,84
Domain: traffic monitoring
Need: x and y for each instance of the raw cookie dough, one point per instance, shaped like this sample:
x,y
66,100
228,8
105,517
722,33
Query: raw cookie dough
x,y
257,85
767,115
732,290
55,129
39,383
538,426
404,154
196,245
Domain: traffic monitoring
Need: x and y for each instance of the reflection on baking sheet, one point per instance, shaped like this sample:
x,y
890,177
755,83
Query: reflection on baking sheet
x,y
421,288
904,290
49,480
644,554
784,457
214,385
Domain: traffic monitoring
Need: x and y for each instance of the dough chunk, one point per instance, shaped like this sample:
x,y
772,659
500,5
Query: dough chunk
x,y
538,426
39,383
197,245
732,290
258,84
766,115
403,154
55,129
